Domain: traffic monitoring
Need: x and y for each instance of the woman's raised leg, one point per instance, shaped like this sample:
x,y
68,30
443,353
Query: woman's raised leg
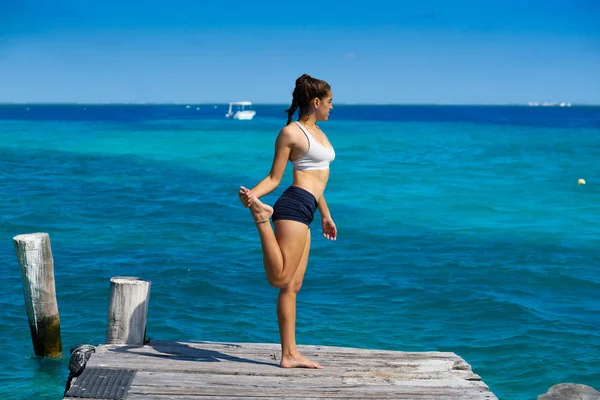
x,y
281,253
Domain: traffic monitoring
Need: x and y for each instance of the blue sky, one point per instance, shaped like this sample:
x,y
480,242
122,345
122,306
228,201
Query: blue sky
x,y
184,51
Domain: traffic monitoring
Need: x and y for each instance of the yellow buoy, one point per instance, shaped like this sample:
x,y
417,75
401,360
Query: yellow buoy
x,y
581,182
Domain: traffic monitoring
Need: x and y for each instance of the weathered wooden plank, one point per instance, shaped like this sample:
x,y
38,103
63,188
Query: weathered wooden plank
x,y
236,368
414,364
298,375
260,348
282,393
208,352
145,378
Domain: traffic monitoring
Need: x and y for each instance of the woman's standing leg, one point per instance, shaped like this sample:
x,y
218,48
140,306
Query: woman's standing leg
x,y
286,315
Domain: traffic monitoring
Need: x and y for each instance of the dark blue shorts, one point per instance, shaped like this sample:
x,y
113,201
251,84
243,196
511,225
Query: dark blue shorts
x,y
295,204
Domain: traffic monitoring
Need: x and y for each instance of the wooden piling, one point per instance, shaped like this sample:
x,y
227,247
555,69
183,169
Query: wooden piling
x,y
37,274
128,311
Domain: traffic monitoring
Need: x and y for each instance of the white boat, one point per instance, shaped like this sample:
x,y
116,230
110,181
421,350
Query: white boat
x,y
240,110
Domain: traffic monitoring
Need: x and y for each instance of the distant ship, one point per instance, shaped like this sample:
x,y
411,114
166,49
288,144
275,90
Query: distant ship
x,y
243,110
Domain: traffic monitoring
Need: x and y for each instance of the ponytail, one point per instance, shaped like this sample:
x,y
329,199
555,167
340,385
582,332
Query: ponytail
x,y
290,111
307,88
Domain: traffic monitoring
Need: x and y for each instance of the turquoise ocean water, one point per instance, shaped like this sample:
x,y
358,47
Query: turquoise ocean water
x,y
460,229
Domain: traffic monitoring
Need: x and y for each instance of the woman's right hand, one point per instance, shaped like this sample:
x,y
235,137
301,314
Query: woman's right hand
x,y
246,196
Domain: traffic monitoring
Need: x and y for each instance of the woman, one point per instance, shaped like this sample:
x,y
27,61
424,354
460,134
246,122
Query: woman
x,y
285,250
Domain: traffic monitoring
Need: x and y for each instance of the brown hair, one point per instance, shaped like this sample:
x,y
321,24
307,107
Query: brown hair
x,y
307,88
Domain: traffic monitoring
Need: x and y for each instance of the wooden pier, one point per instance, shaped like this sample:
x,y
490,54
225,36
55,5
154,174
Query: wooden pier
x,y
210,370
131,368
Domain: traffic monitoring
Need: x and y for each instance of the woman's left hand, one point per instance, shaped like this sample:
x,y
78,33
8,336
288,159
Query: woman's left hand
x,y
329,229
246,196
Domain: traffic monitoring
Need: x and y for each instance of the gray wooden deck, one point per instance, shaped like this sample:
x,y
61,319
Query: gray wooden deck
x,y
208,370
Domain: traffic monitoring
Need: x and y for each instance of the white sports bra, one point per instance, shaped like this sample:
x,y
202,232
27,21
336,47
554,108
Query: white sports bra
x,y
317,156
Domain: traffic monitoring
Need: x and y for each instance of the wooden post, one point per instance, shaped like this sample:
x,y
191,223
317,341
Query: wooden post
x,y
128,310
37,274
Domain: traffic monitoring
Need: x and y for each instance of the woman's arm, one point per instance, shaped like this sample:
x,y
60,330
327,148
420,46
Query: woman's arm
x,y
329,228
323,209
283,147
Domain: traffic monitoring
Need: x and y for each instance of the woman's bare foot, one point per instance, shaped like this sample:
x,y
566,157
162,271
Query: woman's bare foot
x,y
297,361
260,211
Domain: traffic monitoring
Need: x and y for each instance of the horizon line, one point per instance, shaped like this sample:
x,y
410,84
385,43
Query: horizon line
x,y
539,105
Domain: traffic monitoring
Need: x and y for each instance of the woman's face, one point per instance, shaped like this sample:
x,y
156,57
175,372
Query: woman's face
x,y
323,106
